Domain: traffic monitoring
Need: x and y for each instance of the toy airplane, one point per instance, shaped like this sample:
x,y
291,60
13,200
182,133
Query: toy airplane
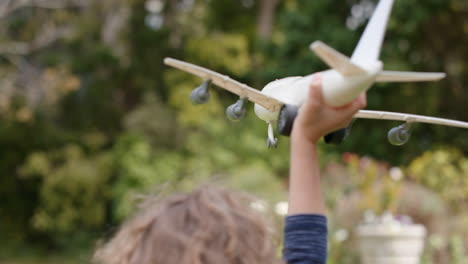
x,y
280,100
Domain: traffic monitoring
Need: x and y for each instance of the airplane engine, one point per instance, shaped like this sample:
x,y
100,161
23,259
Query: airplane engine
x,y
237,110
336,137
399,135
201,94
286,118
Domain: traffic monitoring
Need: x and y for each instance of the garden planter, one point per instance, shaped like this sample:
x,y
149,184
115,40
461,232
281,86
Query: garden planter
x,y
386,240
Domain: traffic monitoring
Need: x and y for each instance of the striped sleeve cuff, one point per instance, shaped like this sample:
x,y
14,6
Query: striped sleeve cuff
x,y
305,239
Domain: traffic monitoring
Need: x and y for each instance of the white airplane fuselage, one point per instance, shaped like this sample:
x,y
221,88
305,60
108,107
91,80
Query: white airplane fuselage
x,y
337,90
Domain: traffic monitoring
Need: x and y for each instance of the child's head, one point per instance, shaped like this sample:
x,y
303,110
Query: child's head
x,y
210,225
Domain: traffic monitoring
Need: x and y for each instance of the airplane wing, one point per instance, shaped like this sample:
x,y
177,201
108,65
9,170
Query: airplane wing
x,y
336,60
409,118
225,82
398,76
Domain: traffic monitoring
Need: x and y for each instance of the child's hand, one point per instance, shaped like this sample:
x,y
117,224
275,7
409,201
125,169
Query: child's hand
x,y
316,119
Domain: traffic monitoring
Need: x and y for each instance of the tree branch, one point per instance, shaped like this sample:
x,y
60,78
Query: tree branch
x,y
265,18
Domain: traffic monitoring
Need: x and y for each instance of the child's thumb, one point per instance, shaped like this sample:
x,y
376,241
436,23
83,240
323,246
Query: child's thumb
x,y
315,88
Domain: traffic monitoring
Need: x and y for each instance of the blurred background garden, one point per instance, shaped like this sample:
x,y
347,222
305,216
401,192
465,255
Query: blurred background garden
x,y
91,119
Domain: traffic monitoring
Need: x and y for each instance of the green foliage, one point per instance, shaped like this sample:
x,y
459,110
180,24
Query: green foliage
x,y
73,194
229,48
379,185
444,171
139,170
457,249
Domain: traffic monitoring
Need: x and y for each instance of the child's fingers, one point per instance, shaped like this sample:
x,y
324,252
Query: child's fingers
x,y
357,104
340,116
315,89
354,106
362,100
345,118
345,114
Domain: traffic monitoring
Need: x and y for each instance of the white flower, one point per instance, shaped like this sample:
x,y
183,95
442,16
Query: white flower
x,y
281,208
341,235
396,173
154,6
259,205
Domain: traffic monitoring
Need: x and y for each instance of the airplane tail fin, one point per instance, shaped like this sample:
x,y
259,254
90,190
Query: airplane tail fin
x,y
398,76
335,59
368,49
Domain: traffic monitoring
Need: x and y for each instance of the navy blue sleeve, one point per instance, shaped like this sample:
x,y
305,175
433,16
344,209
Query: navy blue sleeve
x,y
305,239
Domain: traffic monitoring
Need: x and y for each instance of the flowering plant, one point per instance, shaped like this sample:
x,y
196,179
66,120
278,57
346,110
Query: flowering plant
x,y
378,183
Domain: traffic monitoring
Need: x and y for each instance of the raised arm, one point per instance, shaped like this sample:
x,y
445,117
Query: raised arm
x,y
315,119
306,224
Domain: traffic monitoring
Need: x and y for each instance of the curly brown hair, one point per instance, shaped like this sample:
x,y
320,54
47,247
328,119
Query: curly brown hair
x,y
211,225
